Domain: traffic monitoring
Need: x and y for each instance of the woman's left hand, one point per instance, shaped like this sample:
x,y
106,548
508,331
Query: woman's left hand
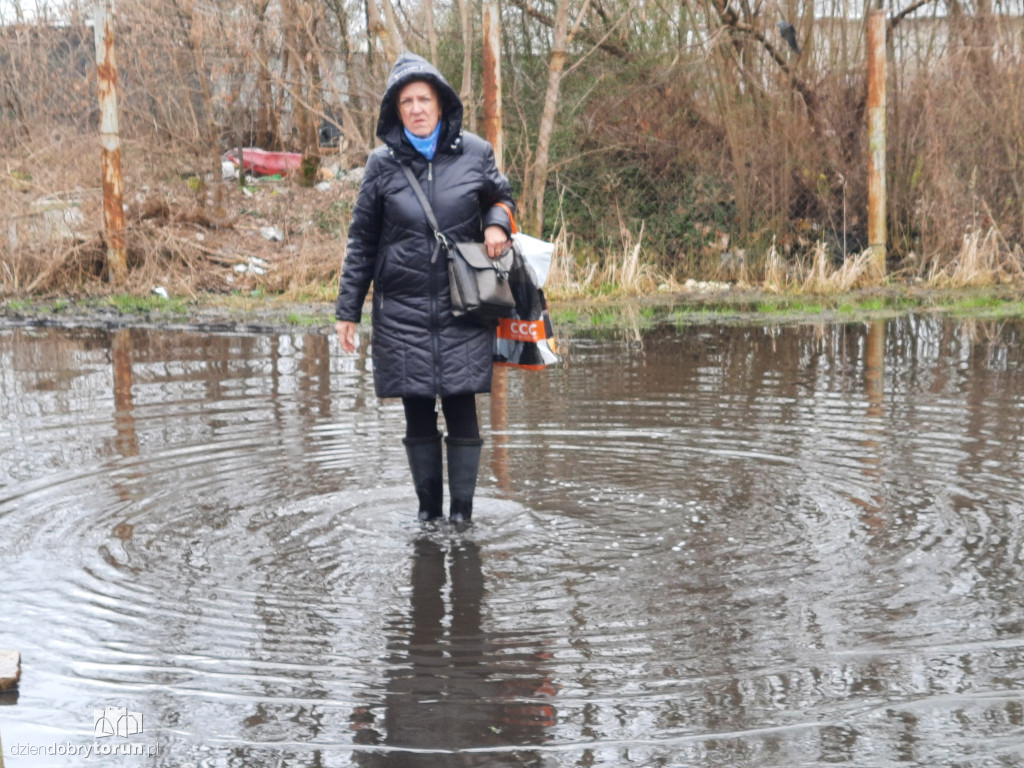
x,y
496,241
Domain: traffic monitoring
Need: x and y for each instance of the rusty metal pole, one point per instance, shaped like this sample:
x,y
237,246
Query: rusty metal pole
x,y
113,181
492,81
876,139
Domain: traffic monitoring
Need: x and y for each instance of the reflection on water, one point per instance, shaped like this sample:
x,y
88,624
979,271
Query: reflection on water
x,y
711,546
450,683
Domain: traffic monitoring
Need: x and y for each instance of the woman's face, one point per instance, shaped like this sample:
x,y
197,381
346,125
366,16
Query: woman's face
x,y
419,108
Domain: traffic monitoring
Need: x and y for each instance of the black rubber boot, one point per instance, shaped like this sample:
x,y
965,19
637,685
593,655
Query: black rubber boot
x,y
463,465
424,455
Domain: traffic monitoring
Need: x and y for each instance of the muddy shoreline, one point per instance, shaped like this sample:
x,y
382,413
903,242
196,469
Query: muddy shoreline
x,y
271,314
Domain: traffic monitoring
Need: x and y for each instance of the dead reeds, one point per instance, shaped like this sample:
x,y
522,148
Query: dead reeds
x,y
819,274
626,274
983,259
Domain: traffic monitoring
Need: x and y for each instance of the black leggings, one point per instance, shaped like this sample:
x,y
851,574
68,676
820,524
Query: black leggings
x,y
459,415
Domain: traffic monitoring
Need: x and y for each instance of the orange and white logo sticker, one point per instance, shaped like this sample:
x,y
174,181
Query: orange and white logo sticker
x,y
521,330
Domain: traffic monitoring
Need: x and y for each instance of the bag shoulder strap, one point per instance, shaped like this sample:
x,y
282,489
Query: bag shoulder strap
x,y
511,218
415,184
442,241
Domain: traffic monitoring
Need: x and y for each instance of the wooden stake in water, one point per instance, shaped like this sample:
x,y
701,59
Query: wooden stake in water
x,y
10,669
10,672
876,139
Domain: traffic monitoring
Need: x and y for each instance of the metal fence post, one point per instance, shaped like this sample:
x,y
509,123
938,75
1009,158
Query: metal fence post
x,y
876,139
113,180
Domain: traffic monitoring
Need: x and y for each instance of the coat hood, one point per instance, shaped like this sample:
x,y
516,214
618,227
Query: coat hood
x,y
408,68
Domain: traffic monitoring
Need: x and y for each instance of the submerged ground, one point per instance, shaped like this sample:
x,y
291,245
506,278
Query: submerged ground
x,y
698,543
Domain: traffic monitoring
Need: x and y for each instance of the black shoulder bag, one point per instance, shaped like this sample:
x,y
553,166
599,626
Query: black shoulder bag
x,y
479,284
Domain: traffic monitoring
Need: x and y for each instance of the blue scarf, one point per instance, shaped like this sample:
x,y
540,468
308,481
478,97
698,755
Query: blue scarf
x,y
427,145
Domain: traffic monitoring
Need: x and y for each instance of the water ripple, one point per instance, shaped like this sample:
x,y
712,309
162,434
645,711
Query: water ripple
x,y
718,547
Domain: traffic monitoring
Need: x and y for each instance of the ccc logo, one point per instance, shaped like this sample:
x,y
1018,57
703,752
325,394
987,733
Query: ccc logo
x,y
524,330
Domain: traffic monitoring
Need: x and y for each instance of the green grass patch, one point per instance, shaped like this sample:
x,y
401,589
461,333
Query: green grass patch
x,y
874,304
986,305
979,303
127,304
565,316
788,307
605,319
305,321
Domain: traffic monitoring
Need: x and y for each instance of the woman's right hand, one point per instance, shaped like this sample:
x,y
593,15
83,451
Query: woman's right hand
x,y
347,335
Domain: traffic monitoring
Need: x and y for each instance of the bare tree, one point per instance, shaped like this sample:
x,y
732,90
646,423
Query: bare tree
x,y
428,11
207,132
385,27
302,72
534,203
466,92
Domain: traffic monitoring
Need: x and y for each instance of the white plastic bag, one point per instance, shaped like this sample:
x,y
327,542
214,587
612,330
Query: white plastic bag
x,y
537,253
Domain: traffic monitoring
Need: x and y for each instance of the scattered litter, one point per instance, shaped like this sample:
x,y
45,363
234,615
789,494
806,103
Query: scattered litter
x,y
705,286
352,176
228,170
328,172
324,186
51,220
273,234
161,292
264,163
255,266
200,236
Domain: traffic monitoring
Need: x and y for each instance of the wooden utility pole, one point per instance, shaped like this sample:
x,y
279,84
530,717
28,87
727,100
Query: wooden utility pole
x,y
492,81
110,138
876,139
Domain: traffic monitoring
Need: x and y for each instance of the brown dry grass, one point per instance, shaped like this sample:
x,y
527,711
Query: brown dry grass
x,y
627,272
185,236
984,259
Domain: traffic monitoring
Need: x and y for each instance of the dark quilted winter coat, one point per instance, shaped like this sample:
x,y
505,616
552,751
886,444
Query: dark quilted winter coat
x,y
418,347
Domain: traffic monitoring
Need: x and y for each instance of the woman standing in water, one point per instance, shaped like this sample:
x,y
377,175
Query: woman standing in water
x,y
421,352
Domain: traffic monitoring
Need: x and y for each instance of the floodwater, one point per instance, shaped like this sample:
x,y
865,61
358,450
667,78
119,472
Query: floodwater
x,y
699,546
